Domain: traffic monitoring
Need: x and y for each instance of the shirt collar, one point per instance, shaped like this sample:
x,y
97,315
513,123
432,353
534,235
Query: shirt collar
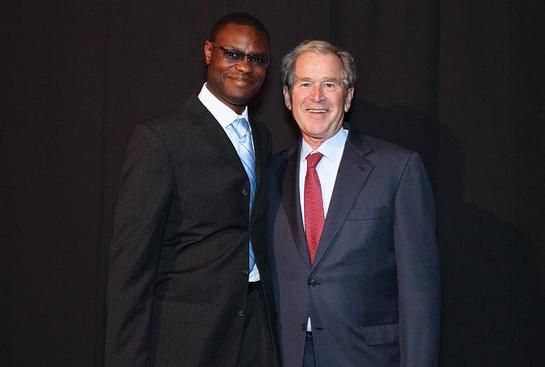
x,y
223,114
332,148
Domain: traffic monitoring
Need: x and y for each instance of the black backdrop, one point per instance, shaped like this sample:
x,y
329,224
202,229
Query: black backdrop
x,y
460,82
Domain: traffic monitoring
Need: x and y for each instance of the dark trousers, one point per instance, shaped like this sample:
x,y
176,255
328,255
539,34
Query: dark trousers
x,y
257,342
308,358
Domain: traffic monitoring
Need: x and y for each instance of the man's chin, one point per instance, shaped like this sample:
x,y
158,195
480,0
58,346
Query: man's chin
x,y
240,99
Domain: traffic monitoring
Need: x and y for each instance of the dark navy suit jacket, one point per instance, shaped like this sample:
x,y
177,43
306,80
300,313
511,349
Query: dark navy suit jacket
x,y
373,290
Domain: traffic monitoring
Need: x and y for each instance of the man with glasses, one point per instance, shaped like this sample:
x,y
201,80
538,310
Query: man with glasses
x,y
188,284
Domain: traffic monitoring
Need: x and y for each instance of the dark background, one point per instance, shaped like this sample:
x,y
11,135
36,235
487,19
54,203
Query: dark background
x,y
460,82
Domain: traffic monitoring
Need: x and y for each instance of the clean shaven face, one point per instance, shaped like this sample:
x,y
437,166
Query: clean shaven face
x,y
235,83
318,99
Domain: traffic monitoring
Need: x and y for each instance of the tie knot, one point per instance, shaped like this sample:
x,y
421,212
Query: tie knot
x,y
313,159
241,127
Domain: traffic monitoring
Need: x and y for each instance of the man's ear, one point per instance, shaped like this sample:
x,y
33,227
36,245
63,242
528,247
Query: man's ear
x,y
207,52
287,98
348,99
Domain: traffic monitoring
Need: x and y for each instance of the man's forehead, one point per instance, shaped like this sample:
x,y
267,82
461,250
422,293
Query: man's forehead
x,y
312,65
318,58
235,29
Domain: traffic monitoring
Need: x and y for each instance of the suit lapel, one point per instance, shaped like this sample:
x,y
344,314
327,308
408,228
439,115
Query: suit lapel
x,y
288,182
260,153
352,175
212,134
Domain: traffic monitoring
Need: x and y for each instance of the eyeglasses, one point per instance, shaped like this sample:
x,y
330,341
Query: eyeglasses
x,y
235,56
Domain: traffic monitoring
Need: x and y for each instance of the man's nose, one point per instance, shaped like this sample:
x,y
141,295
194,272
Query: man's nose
x,y
316,93
244,65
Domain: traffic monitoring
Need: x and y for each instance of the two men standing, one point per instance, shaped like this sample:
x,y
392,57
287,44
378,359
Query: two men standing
x,y
351,249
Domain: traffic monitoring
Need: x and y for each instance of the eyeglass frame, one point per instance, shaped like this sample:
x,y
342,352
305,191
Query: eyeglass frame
x,y
240,56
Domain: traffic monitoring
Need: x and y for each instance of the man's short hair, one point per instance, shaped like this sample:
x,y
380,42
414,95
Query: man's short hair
x,y
320,47
240,19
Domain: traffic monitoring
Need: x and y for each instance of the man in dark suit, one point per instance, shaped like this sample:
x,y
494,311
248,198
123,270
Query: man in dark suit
x,y
351,220
188,284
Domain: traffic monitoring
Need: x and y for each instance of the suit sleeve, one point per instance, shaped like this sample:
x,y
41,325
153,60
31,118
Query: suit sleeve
x,y
418,273
145,192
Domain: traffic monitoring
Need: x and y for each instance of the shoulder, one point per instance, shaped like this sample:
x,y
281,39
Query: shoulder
x,y
169,130
387,149
176,126
280,159
283,155
382,154
257,123
260,127
192,111
375,148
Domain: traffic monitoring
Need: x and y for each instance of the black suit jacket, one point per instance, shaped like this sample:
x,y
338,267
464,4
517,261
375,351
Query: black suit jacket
x,y
178,272
373,290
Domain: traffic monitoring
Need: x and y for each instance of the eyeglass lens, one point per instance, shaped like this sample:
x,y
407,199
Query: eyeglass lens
x,y
235,56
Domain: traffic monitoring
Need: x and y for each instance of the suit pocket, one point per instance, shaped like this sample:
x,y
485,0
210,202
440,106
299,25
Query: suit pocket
x,y
190,288
381,334
367,213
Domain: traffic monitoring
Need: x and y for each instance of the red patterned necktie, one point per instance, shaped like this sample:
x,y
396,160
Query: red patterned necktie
x,y
314,209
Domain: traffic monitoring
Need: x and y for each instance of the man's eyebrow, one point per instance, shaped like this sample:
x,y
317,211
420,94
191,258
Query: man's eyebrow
x,y
327,79
236,49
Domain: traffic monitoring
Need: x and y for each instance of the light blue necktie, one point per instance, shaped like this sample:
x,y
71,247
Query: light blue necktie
x,y
246,154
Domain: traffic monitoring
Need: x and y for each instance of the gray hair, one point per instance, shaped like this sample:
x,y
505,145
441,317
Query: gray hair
x,y
321,47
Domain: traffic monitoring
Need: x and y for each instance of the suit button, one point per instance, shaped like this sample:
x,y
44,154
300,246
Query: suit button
x,y
245,192
240,313
312,282
245,271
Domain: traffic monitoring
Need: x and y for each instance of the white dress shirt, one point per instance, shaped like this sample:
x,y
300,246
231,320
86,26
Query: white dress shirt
x,y
225,116
332,151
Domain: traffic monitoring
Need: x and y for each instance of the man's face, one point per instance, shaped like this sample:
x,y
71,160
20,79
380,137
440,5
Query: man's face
x,y
235,83
318,98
